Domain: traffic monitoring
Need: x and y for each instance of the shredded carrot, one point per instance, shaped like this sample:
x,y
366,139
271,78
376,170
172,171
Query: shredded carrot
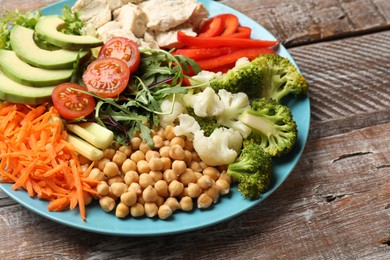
x,y
35,156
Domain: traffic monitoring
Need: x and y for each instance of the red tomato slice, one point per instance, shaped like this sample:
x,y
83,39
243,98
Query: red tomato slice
x,y
106,77
70,103
123,49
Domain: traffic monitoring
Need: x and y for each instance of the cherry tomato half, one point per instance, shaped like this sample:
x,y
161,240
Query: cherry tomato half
x,y
106,77
70,103
123,49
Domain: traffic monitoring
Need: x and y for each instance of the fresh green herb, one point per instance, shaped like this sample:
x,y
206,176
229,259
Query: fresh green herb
x,y
8,19
72,20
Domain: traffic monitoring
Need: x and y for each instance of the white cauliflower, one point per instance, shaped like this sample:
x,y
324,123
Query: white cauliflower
x,y
170,111
205,103
233,106
221,147
187,126
204,76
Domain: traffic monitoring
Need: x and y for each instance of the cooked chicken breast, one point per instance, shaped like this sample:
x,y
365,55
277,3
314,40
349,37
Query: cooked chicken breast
x,y
95,13
165,15
132,19
168,39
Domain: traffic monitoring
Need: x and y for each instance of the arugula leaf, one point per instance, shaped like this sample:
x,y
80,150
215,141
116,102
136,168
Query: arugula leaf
x,y
73,23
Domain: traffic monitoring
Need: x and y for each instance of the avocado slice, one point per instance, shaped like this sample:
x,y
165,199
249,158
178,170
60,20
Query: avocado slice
x,y
15,92
23,44
25,74
48,27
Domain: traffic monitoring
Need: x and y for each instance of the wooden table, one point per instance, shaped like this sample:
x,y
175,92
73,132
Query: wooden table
x,y
334,205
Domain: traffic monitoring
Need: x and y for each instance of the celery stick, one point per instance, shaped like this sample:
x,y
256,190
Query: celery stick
x,y
84,148
94,134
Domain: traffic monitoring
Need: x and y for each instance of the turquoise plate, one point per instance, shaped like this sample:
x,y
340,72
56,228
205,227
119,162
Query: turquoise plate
x,y
229,206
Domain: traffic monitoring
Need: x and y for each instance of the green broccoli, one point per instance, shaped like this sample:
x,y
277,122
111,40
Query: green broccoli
x,y
253,171
270,76
207,124
279,77
273,126
245,78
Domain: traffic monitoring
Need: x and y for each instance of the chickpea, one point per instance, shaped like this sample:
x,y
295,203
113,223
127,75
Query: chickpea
x,y
97,175
169,175
102,188
135,187
195,166
144,147
164,151
160,132
141,200
107,203
151,154
115,179
126,150
157,175
189,145
164,211
137,156
119,158
178,167
186,203
178,140
169,132
175,188
159,201
128,165
204,201
213,192
108,153
195,157
122,210
188,176
187,157
161,187
166,162
151,209
204,182
149,194
173,203
130,177
176,152
155,164
137,210
101,163
198,175
143,166
129,198
135,142
87,198
145,180
194,190
212,172
158,141
111,169
203,165
118,188
223,186
225,177
184,193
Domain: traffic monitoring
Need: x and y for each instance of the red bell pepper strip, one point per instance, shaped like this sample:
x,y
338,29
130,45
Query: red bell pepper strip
x,y
213,27
212,42
242,32
230,23
203,53
231,58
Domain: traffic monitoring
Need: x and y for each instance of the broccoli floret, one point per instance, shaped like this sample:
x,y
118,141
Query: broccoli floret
x,y
273,126
245,78
253,171
207,124
279,77
270,76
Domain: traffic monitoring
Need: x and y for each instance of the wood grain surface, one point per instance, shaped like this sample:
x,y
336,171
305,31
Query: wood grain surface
x,y
336,202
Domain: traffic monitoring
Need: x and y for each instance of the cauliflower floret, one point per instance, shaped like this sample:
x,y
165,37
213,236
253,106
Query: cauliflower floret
x,y
171,109
187,126
241,62
221,147
205,103
233,106
204,76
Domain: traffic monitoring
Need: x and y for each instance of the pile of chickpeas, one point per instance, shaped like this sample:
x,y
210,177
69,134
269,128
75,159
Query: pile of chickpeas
x,y
137,180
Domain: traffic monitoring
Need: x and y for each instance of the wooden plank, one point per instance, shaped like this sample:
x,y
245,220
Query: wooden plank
x,y
25,5
304,21
334,205
349,82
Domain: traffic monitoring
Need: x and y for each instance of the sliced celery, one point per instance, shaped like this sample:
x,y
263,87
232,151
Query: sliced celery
x,y
85,149
94,134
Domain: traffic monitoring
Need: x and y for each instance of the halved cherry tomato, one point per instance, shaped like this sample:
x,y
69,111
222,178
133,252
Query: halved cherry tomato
x,y
70,103
106,77
213,27
123,49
